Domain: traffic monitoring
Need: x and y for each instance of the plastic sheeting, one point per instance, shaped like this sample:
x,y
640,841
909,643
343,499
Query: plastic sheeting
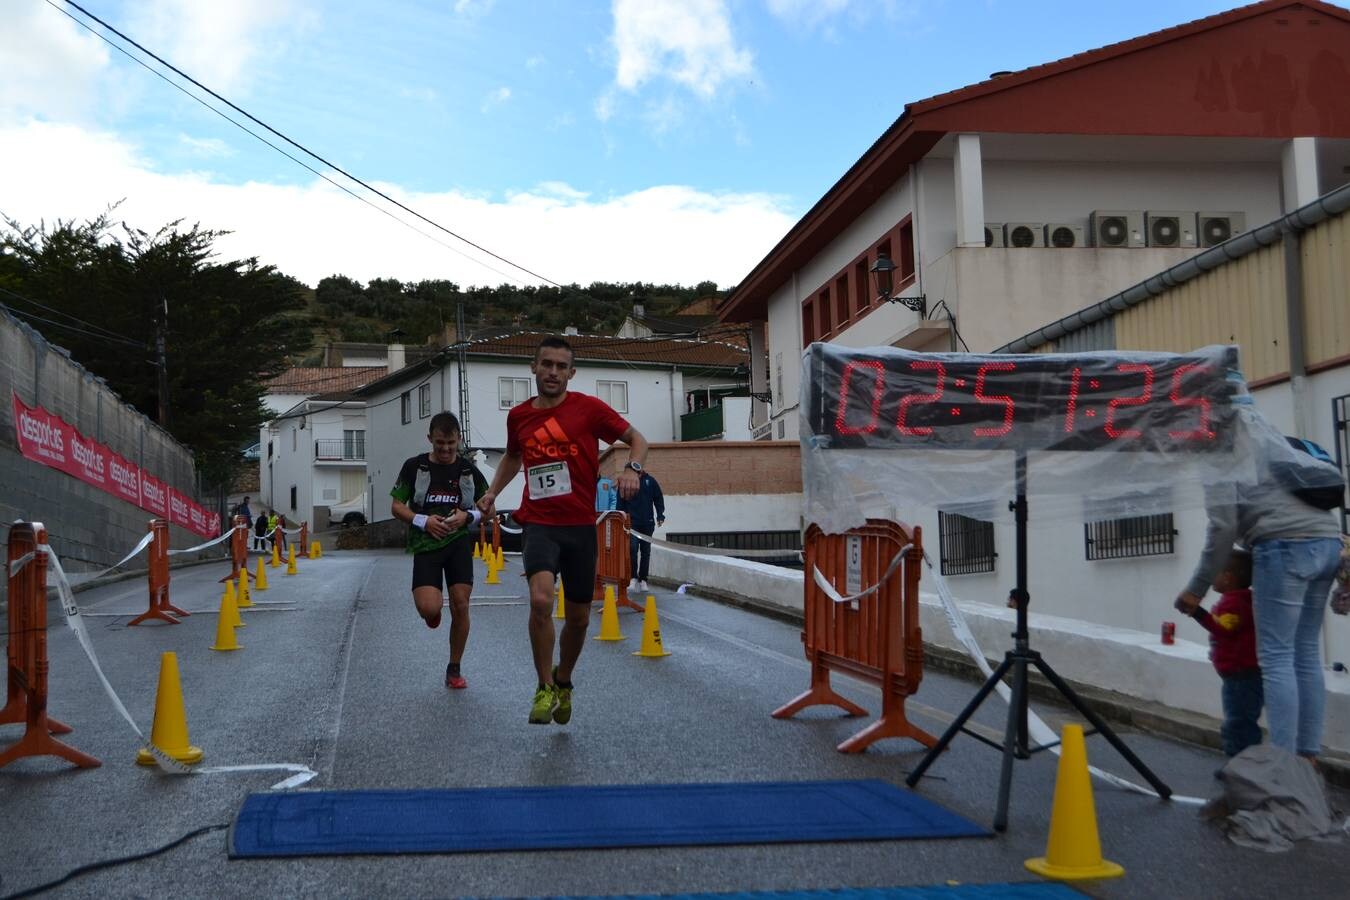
x,y
1105,435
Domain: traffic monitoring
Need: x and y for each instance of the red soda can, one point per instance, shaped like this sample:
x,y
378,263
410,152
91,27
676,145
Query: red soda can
x,y
1169,632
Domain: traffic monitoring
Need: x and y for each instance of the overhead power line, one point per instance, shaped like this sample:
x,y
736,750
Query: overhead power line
x,y
102,332
303,149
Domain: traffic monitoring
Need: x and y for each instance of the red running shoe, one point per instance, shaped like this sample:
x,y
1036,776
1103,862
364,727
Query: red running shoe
x,y
456,681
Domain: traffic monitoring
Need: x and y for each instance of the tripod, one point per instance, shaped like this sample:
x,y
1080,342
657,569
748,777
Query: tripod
x,y
1017,660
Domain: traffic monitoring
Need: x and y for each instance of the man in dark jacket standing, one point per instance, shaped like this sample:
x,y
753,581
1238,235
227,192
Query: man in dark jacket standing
x,y
646,510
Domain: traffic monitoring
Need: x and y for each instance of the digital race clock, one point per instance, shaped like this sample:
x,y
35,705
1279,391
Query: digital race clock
x,y
890,398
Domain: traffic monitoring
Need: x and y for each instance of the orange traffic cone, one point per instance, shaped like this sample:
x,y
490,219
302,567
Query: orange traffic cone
x,y
242,598
169,733
260,582
609,618
229,613
651,632
558,612
1073,851
290,560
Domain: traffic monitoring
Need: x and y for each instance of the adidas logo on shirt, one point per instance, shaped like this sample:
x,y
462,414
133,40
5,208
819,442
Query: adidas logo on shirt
x,y
551,442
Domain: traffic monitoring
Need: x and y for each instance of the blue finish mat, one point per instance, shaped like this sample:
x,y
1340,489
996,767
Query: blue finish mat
x,y
1020,890
327,823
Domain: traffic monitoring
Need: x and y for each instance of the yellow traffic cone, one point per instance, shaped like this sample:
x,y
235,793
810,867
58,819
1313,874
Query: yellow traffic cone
x,y
290,560
318,550
477,550
313,549
501,559
1073,851
225,624
169,733
242,599
609,618
276,556
229,592
492,576
260,581
651,632
561,605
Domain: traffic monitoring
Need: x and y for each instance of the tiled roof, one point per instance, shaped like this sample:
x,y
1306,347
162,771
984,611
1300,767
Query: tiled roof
x,y
1098,54
310,380
668,351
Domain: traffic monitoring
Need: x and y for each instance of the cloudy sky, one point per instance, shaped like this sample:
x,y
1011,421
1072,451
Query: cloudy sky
x,y
654,140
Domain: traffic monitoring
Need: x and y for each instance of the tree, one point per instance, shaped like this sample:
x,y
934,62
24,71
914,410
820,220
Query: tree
x,y
227,326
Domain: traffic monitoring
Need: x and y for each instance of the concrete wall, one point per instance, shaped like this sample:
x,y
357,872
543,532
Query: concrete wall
x,y
1123,661
88,528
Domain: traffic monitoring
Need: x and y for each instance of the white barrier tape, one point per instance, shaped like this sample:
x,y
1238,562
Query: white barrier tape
x,y
508,529
830,592
17,565
289,530
211,543
166,762
713,551
1041,733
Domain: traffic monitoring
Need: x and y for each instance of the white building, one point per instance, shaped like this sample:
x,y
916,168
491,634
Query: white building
x,y
1010,203
652,383
311,455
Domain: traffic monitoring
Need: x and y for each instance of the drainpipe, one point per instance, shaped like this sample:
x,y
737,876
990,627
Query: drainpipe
x,y
1293,311
674,409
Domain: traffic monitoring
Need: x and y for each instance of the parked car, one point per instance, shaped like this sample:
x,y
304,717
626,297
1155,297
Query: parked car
x,y
349,512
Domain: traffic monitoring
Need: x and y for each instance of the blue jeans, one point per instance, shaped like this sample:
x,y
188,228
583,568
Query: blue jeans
x,y
1242,696
1291,580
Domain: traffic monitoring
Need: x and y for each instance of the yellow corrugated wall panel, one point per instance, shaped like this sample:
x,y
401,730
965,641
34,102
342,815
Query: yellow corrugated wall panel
x,y
1241,302
1326,290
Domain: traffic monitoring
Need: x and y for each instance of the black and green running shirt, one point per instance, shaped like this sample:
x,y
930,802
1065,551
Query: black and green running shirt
x,y
434,489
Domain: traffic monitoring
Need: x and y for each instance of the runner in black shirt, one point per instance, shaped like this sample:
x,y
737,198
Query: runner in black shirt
x,y
435,494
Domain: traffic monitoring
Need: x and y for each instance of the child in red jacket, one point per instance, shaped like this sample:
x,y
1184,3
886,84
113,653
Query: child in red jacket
x,y
1232,648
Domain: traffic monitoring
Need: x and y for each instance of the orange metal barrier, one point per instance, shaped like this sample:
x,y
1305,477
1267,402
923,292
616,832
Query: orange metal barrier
x,y
160,607
875,638
239,549
496,535
612,564
304,538
27,656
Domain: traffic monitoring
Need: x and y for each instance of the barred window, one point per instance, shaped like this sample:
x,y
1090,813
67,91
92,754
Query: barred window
x,y
967,544
1135,536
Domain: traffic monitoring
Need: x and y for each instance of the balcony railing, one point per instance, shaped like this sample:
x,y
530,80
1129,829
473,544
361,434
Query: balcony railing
x,y
337,448
701,425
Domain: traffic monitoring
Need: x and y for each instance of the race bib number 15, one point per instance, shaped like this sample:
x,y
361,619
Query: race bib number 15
x,y
549,480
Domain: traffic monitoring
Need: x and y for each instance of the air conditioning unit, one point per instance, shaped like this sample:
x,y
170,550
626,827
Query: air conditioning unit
x,y
1117,228
1062,234
1024,234
1217,227
1169,229
993,234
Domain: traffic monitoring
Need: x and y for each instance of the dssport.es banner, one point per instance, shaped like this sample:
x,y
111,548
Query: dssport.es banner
x,y
52,441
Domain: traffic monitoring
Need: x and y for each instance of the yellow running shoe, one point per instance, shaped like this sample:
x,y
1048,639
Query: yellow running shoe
x,y
545,699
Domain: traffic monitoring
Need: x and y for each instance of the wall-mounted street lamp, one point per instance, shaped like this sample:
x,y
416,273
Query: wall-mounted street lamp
x,y
883,276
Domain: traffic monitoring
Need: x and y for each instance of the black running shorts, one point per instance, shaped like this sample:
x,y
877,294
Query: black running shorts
x,y
454,561
566,550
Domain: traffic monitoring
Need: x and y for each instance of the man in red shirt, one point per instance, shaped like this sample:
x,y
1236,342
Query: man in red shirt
x,y
555,437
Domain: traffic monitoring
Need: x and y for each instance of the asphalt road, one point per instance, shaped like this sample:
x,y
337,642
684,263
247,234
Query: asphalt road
x,y
339,674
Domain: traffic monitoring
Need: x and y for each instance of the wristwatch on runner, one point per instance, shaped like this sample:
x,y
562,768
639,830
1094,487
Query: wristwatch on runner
x,y
634,465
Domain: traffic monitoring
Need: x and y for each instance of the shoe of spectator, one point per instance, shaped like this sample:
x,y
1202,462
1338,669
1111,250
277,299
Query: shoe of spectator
x,y
642,586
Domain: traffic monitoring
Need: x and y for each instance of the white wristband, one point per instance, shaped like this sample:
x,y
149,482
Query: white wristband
x,y
420,521
475,516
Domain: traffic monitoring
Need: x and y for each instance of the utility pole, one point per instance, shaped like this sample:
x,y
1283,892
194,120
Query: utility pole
x,y
162,362
463,364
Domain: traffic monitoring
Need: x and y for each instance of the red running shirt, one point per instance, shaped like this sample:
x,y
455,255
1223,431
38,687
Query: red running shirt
x,y
560,454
